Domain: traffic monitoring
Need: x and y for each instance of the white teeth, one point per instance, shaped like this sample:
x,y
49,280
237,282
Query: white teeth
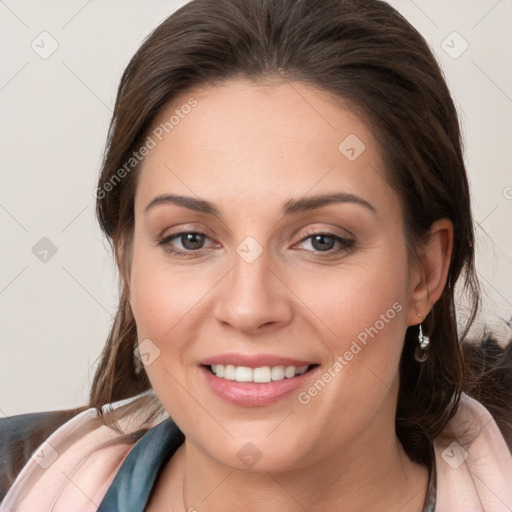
x,y
277,372
243,374
289,372
229,371
301,369
261,375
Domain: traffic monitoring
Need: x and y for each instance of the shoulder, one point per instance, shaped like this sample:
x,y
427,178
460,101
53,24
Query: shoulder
x,y
86,446
20,435
473,462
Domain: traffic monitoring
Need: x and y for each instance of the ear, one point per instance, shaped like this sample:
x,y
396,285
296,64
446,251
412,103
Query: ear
x,y
428,277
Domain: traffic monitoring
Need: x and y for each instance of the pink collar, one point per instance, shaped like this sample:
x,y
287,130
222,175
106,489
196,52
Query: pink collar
x,y
74,468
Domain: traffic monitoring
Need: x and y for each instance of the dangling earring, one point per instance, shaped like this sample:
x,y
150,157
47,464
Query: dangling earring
x,y
421,350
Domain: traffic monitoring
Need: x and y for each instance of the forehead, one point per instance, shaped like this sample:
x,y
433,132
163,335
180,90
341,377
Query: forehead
x,y
246,139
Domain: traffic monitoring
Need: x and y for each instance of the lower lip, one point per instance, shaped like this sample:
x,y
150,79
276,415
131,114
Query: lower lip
x,y
251,394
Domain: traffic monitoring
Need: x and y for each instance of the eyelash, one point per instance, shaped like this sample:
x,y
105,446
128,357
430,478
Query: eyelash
x,y
347,244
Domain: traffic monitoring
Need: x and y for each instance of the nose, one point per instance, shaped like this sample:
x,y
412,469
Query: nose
x,y
253,296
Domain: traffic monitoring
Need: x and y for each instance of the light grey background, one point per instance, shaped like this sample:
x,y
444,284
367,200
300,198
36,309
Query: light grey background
x,y
54,113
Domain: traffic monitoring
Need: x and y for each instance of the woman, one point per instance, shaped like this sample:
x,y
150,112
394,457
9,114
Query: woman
x,y
285,193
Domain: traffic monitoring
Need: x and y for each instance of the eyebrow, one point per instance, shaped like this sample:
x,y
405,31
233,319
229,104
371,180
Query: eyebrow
x,y
289,207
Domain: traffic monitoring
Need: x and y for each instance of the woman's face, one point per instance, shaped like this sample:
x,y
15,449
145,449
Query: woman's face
x,y
271,275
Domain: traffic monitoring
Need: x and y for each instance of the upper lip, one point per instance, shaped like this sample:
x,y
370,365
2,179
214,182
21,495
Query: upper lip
x,y
253,360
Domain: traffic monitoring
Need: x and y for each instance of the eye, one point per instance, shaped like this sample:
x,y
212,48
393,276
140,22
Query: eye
x,y
190,241
325,242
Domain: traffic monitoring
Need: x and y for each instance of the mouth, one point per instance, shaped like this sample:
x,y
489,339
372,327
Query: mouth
x,y
260,375
257,386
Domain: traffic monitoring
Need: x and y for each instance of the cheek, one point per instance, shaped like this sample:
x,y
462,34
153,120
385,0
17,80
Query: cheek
x,y
168,304
353,299
161,297
362,311
162,303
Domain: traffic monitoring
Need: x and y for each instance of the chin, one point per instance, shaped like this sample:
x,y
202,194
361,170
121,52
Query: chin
x,y
259,454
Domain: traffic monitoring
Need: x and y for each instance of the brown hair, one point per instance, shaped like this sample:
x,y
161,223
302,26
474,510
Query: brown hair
x,y
362,52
